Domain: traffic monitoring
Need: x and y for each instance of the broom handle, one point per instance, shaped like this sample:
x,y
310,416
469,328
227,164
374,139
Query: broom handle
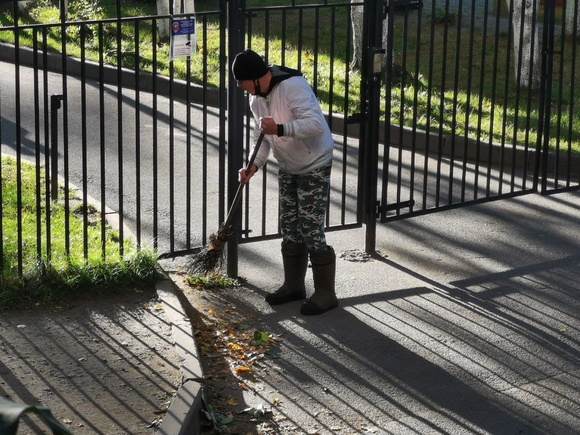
x,y
238,197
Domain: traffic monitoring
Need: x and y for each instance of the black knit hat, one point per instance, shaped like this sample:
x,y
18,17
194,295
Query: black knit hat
x,y
249,65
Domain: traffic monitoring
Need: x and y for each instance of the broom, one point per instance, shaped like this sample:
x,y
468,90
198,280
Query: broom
x,y
211,256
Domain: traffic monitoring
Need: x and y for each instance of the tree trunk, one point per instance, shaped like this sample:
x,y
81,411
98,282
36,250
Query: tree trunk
x,y
526,30
179,7
572,10
357,29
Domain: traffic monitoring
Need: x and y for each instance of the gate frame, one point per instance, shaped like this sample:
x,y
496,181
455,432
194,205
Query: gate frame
x,y
543,156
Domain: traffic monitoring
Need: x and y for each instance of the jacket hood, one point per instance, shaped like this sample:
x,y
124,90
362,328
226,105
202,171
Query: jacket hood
x,y
279,74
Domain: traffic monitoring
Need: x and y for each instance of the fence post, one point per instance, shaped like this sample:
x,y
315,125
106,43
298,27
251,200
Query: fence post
x,y
54,107
370,110
236,11
545,96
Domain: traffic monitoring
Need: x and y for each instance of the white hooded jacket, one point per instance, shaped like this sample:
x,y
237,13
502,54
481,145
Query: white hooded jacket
x,y
307,142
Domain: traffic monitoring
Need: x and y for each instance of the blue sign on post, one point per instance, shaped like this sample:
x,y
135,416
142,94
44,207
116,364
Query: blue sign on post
x,y
182,37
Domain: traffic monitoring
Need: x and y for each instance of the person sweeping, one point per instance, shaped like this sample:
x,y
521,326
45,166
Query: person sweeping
x,y
286,111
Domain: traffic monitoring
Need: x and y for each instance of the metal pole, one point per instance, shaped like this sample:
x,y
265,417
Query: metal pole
x,y
371,73
546,94
54,107
236,100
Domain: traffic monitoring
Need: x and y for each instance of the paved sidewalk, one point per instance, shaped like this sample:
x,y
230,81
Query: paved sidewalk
x,y
467,323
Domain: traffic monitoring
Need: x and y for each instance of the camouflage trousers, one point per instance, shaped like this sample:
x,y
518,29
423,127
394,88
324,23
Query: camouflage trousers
x,y
303,203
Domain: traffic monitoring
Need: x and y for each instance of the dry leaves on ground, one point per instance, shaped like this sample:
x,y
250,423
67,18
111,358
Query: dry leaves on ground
x,y
233,349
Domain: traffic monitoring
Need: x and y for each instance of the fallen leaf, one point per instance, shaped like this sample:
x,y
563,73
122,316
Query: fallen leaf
x,y
242,370
223,419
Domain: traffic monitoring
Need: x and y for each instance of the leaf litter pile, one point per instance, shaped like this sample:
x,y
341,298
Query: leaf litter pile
x,y
232,348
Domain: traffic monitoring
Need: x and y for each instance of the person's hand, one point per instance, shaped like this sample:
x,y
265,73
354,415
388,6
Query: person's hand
x,y
244,176
268,125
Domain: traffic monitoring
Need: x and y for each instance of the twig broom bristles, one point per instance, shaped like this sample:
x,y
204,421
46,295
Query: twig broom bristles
x,y
211,256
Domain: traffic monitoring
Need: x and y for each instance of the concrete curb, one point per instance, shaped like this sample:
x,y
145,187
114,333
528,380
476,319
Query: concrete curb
x,y
183,415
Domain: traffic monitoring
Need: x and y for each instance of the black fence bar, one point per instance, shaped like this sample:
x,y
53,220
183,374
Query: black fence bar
x,y
575,29
547,72
55,106
84,153
37,150
155,145
120,127
204,175
1,192
138,168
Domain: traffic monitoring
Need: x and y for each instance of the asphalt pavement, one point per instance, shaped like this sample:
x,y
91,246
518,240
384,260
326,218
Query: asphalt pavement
x,y
464,322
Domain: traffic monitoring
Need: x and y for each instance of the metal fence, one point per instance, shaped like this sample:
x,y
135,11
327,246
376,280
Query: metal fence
x,y
119,126
482,99
158,143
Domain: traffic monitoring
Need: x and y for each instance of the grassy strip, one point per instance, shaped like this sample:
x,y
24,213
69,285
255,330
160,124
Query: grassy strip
x,y
62,276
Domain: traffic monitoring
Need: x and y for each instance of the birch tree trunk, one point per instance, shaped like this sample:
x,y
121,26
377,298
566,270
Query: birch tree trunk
x,y
526,44
357,29
179,7
572,10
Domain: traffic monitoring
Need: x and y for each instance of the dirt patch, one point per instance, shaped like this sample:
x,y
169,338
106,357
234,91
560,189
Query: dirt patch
x,y
101,366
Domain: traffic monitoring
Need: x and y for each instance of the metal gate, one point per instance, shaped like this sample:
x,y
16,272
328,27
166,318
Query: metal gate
x,y
503,126
488,115
159,146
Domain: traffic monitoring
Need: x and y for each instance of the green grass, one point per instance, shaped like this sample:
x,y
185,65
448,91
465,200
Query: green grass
x,y
65,275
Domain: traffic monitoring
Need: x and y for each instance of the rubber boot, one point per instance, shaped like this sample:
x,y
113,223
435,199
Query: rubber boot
x,y
323,272
295,260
